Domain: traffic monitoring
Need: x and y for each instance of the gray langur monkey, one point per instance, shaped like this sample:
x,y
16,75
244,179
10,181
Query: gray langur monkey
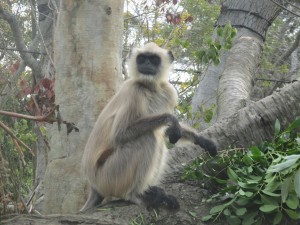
x,y
125,155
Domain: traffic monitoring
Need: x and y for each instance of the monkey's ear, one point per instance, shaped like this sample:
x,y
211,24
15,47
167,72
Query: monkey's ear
x,y
171,56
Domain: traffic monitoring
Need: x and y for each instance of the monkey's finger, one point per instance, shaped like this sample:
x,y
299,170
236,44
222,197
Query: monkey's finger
x,y
171,202
174,136
207,144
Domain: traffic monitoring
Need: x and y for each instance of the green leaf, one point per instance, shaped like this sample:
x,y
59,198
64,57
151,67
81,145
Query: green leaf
x,y
231,174
104,209
249,218
292,214
219,31
193,214
206,218
248,194
284,165
242,201
248,185
247,160
277,218
228,46
217,209
268,208
226,212
277,127
267,200
208,115
294,156
292,201
255,151
297,183
294,125
270,193
218,44
240,211
272,184
241,192
285,187
233,220
233,32
216,61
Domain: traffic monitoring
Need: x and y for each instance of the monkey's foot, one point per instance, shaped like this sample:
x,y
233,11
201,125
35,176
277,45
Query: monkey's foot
x,y
155,197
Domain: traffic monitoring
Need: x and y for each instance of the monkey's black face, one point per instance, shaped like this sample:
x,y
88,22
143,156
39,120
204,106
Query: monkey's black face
x,y
148,63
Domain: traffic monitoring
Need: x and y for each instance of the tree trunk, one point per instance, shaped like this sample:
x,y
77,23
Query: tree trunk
x,y
87,58
232,79
46,21
237,79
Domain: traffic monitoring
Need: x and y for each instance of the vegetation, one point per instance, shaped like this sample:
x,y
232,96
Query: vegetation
x,y
259,185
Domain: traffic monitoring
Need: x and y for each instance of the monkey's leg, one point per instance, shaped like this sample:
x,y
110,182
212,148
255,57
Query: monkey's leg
x,y
94,199
156,196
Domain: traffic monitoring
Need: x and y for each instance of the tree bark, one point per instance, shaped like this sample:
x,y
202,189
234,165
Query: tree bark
x,y
87,58
250,125
252,19
237,79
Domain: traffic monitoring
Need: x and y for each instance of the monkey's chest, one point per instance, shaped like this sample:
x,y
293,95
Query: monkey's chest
x,y
160,103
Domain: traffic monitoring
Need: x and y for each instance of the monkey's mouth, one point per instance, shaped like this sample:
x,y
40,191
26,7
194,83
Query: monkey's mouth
x,y
148,72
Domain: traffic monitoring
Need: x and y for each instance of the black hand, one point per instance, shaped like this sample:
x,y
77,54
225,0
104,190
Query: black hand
x,y
207,144
174,133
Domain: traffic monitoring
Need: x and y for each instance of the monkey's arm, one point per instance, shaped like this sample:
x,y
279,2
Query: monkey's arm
x,y
190,134
146,124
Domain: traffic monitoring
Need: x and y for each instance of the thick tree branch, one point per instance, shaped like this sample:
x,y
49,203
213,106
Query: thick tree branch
x,y
250,125
19,39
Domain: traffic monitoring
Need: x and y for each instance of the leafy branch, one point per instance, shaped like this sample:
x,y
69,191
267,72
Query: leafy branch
x,y
256,185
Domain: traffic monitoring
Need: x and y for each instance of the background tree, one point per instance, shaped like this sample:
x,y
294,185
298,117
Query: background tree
x,y
229,84
26,43
87,60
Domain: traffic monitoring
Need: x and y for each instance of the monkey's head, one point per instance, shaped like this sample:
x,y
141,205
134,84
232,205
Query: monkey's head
x,y
150,62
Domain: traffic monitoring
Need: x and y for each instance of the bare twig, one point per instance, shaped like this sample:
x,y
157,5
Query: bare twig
x,y
274,80
8,130
283,7
19,40
25,51
145,13
297,7
294,46
21,154
45,118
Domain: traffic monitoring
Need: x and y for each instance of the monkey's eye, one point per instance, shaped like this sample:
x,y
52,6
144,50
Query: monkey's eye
x,y
146,58
141,59
155,60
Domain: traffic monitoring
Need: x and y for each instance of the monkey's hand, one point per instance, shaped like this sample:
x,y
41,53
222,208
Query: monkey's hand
x,y
174,132
207,144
